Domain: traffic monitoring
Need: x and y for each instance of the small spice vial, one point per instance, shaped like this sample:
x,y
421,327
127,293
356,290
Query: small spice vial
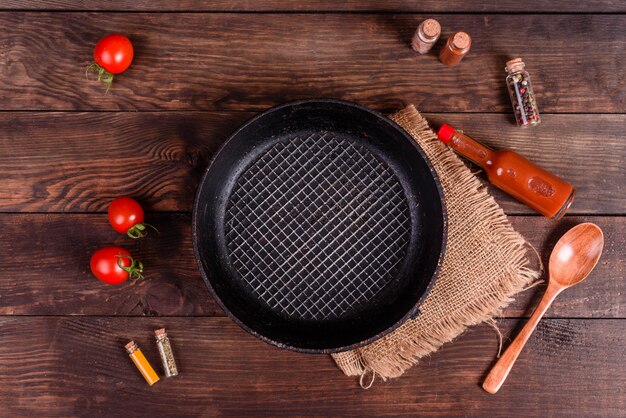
x,y
426,35
141,362
456,47
521,93
165,351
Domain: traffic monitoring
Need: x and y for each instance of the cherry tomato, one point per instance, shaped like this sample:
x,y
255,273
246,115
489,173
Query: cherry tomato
x,y
126,217
114,265
114,53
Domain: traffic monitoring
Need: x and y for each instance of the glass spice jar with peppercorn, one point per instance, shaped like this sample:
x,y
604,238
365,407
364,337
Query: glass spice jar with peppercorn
x,y
522,95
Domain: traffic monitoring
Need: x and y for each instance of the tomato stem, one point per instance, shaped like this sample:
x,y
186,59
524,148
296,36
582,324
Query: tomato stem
x,y
139,231
103,75
135,270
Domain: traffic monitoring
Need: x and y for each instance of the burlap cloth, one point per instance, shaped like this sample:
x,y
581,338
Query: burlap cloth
x,y
485,264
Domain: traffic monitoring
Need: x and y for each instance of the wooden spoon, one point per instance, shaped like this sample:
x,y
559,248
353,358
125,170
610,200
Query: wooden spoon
x,y
573,258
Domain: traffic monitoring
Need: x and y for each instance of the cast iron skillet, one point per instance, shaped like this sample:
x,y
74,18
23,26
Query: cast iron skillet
x,y
319,226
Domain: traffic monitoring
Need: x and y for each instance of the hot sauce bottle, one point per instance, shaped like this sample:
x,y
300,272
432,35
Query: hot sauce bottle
x,y
527,182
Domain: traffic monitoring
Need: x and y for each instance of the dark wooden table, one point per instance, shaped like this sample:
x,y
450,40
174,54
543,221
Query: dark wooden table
x,y
201,69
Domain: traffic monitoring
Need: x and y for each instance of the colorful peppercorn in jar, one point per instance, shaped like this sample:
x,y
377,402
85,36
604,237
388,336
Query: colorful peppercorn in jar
x,y
457,46
426,35
522,95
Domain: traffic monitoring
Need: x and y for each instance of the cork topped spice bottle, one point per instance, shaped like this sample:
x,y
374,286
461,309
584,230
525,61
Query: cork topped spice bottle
x,y
522,95
426,35
165,351
457,46
144,367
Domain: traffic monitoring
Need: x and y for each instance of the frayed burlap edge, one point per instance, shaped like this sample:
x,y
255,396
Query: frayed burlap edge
x,y
402,349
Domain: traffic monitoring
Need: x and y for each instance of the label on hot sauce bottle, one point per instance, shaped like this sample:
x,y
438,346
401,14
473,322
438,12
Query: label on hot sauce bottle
x,y
527,182
541,187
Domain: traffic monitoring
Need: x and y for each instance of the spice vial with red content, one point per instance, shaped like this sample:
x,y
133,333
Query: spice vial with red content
x,y
456,47
507,170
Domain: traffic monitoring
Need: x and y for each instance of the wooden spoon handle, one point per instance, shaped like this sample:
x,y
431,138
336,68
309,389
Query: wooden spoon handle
x,y
501,369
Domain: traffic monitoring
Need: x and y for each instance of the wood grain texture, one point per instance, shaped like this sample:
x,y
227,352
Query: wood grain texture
x,y
196,77
572,260
47,273
252,61
79,162
600,295
44,269
77,367
588,151
529,6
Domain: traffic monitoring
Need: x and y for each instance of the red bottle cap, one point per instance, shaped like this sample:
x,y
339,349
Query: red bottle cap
x,y
445,133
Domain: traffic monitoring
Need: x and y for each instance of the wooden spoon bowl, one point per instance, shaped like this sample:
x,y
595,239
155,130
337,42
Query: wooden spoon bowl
x,y
574,256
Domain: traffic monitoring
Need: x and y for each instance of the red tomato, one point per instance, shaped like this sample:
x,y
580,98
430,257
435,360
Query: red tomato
x,y
126,217
114,53
114,265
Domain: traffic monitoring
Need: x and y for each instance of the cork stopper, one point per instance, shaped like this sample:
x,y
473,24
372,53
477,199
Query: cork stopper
x,y
431,28
514,65
160,333
131,347
461,40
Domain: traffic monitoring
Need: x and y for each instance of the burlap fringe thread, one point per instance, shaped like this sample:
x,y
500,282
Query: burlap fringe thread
x,y
439,323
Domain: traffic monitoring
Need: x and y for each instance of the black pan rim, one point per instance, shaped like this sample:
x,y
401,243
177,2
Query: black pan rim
x,y
411,314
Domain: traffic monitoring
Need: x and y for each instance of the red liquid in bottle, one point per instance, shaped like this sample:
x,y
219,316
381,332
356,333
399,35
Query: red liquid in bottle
x,y
507,170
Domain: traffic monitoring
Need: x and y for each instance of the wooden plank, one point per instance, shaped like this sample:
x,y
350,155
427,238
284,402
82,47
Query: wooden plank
x,y
42,274
55,366
45,268
530,6
587,150
252,61
78,162
601,295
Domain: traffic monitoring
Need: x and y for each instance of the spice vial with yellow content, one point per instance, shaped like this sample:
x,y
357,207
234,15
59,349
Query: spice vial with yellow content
x,y
142,363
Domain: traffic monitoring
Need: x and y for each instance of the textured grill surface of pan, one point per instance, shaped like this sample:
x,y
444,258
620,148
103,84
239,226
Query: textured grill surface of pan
x,y
317,226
